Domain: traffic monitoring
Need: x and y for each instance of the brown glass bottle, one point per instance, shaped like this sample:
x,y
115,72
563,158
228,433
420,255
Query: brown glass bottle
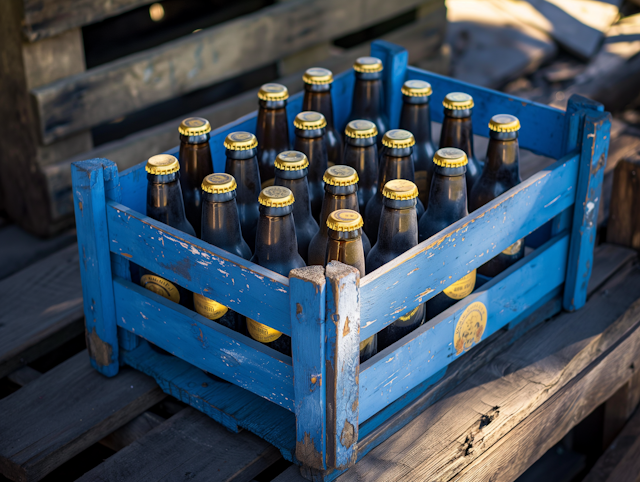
x,y
242,164
317,98
398,232
345,245
447,204
196,164
310,128
396,162
457,131
272,129
291,172
501,172
415,118
340,192
276,249
368,101
361,153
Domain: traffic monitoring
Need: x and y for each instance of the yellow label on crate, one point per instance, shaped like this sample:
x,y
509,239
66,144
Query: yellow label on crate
x,y
160,286
208,308
514,248
268,182
421,181
261,332
463,287
470,327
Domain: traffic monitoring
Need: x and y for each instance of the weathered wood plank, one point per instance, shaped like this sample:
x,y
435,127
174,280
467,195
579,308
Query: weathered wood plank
x,y
65,411
132,431
190,446
624,222
619,407
607,259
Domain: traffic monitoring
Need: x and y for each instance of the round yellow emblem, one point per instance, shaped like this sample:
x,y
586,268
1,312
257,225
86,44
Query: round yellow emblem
x,y
470,327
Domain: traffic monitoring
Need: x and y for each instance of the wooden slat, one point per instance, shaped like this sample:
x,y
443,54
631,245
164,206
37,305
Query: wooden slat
x,y
188,446
63,412
118,88
616,256
619,408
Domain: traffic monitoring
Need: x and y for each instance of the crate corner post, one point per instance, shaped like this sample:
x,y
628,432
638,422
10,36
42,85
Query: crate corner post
x,y
91,181
395,60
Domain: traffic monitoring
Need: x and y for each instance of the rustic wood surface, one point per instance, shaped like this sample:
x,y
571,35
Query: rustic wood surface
x,y
619,408
624,225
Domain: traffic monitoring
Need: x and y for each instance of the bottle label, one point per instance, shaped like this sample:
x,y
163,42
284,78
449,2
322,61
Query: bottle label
x,y
160,286
462,288
514,248
261,332
470,327
208,308
268,182
408,316
421,181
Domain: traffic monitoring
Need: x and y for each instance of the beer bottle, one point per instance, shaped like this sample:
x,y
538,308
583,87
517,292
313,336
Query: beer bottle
x,y
345,245
361,153
340,192
396,162
368,94
310,139
221,228
277,250
317,98
272,129
501,173
291,172
398,232
457,131
165,204
195,157
415,118
242,164
447,204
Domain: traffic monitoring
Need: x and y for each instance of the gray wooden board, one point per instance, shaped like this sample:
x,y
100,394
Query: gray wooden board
x,y
188,446
66,410
41,309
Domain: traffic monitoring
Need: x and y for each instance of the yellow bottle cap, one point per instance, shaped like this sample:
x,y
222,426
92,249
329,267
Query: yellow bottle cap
x,y
368,65
400,190
504,123
317,76
398,139
450,157
240,141
340,175
361,129
219,183
417,88
162,164
276,197
309,120
194,126
457,101
273,92
344,220
291,161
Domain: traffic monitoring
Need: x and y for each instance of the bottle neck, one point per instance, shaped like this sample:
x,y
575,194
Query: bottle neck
x,y
457,132
398,231
195,161
333,202
395,168
346,248
416,119
364,159
368,100
272,129
503,160
247,176
315,148
276,244
448,197
221,227
300,189
165,203
319,101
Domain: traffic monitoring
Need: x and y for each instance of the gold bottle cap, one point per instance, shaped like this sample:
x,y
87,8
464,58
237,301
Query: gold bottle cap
x,y
317,76
504,123
273,92
291,161
219,183
400,190
457,101
398,139
344,220
276,197
417,88
361,129
194,126
368,65
162,164
240,141
450,157
309,120
340,175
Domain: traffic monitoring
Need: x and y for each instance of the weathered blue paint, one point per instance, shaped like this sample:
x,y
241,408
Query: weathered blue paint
x,y
90,181
308,300
394,60
433,265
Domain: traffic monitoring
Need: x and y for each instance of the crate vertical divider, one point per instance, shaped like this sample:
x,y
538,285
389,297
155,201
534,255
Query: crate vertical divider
x,y
320,407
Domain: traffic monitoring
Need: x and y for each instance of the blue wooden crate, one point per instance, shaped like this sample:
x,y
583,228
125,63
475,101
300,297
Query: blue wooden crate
x,y
317,405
